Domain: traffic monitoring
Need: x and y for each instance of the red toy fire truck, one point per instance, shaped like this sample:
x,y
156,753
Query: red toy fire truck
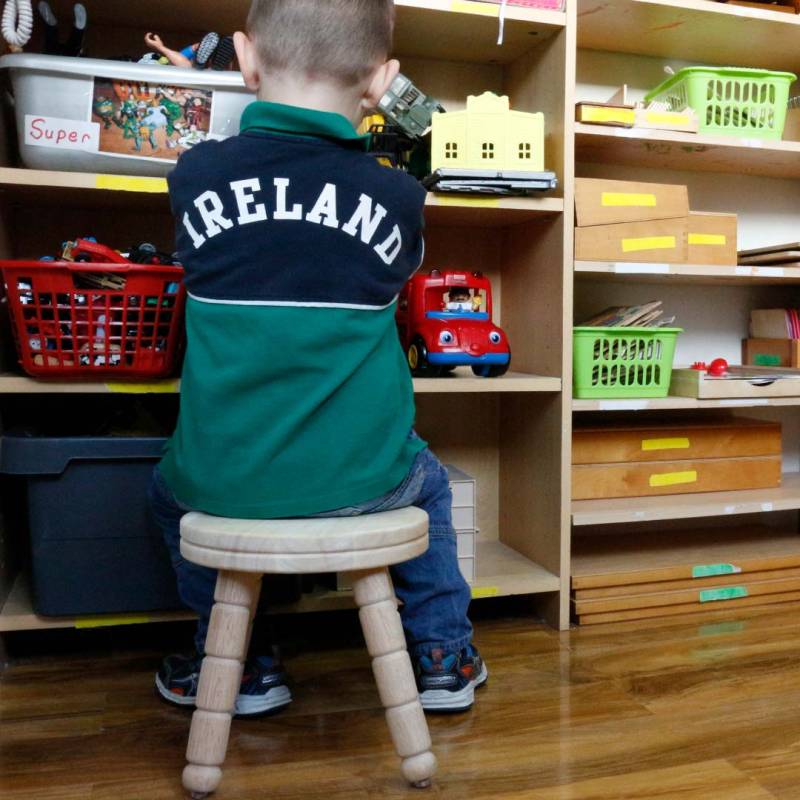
x,y
445,320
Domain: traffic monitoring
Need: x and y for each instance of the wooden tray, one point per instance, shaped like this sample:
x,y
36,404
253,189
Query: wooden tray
x,y
625,560
748,382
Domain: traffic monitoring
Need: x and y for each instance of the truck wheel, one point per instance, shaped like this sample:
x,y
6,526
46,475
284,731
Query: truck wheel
x,y
490,370
418,360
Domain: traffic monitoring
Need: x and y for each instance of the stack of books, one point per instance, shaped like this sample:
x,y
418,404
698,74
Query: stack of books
x,y
648,315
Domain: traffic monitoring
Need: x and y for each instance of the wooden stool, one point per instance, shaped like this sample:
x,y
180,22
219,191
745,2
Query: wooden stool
x,y
242,550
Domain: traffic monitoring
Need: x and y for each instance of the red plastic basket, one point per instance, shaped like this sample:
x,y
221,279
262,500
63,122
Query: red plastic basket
x,y
88,320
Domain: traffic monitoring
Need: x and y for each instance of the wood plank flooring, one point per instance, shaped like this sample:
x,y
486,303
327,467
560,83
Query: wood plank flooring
x,y
700,708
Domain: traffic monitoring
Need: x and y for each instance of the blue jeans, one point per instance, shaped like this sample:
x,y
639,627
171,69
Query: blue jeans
x,y
434,594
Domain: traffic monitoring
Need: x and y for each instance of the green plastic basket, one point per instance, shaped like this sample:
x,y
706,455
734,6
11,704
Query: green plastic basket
x,y
730,101
622,362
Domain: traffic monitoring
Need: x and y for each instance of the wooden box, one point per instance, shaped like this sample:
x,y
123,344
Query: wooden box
x,y
771,352
645,479
745,382
712,239
690,439
604,202
661,241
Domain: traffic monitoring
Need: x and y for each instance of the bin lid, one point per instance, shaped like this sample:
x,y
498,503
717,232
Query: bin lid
x,y
123,70
26,454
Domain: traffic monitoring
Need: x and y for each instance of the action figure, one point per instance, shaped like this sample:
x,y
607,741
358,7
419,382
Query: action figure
x,y
211,49
52,43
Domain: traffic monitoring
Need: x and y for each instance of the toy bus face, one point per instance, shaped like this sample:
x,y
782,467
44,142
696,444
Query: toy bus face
x,y
455,333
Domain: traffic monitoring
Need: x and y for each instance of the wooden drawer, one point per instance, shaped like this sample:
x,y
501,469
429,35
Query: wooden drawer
x,y
598,481
694,439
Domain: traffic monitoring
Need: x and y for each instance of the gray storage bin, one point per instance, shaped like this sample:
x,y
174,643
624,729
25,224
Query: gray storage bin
x,y
95,548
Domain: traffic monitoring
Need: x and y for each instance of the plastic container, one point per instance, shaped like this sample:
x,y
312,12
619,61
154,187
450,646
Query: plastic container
x,y
730,101
95,548
91,115
66,326
622,362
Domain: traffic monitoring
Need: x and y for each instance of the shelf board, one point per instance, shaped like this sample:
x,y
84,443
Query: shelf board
x,y
488,212
463,381
700,31
685,273
667,403
501,572
87,189
785,497
456,30
686,151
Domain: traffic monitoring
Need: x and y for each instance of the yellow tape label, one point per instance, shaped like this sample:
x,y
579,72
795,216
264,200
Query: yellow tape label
x,y
649,243
126,183
484,591
162,387
676,443
107,622
593,114
666,118
471,7
629,199
673,478
707,238
465,202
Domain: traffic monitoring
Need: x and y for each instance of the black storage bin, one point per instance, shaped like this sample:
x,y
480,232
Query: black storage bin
x,y
95,547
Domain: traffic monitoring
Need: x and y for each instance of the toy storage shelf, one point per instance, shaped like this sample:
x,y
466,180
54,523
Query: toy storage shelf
x,y
458,30
692,30
462,382
785,497
686,151
686,273
669,403
502,572
91,190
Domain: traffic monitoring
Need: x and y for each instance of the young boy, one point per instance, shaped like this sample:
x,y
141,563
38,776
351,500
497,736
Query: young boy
x,y
296,399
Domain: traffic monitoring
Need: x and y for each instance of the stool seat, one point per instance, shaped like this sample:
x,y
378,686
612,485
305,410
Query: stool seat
x,y
329,544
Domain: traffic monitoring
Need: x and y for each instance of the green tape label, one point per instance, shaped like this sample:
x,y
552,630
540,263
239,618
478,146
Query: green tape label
x,y
766,360
727,593
709,570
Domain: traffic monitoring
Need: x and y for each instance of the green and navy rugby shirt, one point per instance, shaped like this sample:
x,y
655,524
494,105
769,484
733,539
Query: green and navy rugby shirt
x,y
296,397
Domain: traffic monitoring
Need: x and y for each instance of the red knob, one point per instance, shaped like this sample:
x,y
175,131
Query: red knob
x,y
718,367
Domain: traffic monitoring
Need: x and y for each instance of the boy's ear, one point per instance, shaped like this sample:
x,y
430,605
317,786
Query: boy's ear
x,y
248,60
381,81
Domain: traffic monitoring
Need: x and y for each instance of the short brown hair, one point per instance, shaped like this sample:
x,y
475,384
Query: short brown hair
x,y
330,39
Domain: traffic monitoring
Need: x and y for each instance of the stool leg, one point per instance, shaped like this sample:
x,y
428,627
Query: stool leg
x,y
236,597
386,643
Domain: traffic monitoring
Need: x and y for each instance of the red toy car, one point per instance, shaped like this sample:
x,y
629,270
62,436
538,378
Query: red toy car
x,y
445,320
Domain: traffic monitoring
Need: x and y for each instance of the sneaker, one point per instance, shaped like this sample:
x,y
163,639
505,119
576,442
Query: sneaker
x,y
447,683
263,687
208,44
224,54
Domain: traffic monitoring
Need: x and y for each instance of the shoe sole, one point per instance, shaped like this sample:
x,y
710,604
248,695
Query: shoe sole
x,y
246,705
440,701
208,44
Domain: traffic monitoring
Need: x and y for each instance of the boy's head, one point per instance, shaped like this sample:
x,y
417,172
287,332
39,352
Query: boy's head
x,y
459,294
329,52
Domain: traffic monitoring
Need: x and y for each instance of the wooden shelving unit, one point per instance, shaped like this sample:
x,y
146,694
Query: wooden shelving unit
x,y
692,30
511,432
686,151
686,273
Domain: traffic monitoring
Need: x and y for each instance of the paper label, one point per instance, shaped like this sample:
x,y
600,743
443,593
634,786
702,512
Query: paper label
x,y
107,622
673,478
666,118
676,443
595,114
767,507
768,272
707,238
709,570
744,271
471,7
64,134
632,268
622,405
152,121
475,202
484,591
163,387
726,593
743,403
129,183
649,243
766,360
628,199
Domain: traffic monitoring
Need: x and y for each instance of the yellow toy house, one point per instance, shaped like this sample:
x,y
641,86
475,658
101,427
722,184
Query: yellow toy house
x,y
488,135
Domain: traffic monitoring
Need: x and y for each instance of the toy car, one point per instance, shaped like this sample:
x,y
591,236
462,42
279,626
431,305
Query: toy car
x,y
445,320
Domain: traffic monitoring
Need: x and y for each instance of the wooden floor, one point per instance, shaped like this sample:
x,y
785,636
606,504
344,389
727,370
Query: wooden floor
x,y
699,708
